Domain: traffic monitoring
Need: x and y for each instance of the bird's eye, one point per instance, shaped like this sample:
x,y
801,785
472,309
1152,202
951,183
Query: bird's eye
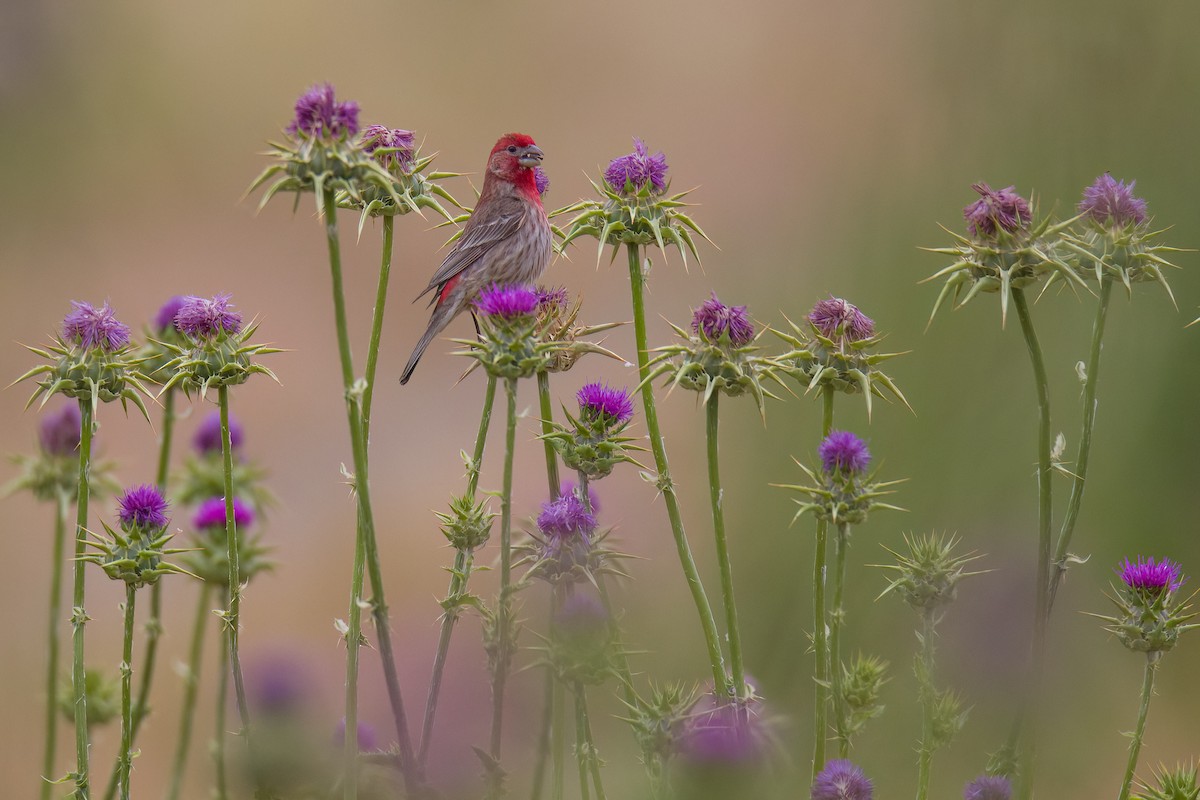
x,y
512,148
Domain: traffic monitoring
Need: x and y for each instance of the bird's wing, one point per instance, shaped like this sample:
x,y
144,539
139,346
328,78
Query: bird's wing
x,y
479,239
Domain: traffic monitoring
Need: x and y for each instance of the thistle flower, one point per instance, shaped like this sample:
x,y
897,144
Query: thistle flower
x,y
207,439
1150,618
164,320
510,344
368,739
541,181
507,302
211,514
1112,204
142,507
58,431
842,780
996,210
91,327
1145,577
566,517
713,320
567,546
392,148
604,404
319,114
203,318
638,171
842,451
836,352
720,732
988,787
136,553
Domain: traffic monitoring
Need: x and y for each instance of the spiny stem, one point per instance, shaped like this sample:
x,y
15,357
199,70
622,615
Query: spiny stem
x,y
545,727
1135,744
353,642
637,284
717,498
820,640
928,699
587,743
841,544
581,754
191,685
1045,517
559,748
125,757
222,790
1080,467
365,527
503,632
78,614
458,584
232,615
61,509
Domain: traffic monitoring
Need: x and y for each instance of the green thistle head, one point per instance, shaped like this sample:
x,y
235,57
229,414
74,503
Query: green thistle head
x,y
927,576
1178,784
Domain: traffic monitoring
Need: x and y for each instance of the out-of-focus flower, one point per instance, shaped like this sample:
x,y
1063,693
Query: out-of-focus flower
x,y
842,780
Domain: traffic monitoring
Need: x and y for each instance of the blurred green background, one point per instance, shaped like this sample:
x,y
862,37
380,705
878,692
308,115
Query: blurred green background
x,y
827,142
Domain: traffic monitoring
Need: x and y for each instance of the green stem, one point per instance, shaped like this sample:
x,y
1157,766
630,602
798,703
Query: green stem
x,y
458,583
191,685
61,509
154,623
78,614
543,383
559,749
222,790
1045,515
125,758
928,699
365,517
503,633
1135,744
381,288
717,498
232,615
544,733
353,642
587,744
581,740
820,630
841,544
637,284
1080,467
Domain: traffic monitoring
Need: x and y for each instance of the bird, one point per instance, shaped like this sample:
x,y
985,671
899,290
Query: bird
x,y
506,240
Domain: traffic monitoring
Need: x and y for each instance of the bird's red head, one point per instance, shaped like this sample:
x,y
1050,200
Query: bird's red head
x,y
514,158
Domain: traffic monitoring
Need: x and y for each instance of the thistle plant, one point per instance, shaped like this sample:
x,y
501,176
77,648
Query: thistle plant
x,y
927,578
635,211
1178,784
842,780
988,787
591,442
1150,617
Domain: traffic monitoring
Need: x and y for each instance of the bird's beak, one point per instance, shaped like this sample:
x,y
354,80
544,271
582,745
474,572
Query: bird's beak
x,y
532,156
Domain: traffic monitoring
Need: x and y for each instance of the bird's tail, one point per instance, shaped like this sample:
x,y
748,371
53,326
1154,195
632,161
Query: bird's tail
x,y
442,314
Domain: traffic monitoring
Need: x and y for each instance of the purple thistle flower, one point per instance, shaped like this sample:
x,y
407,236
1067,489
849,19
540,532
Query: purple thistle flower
x,y
142,507
279,684
368,740
541,180
58,432
988,787
569,487
722,733
841,780
319,114
211,514
207,439
581,616
165,317
1147,577
555,299
835,316
996,210
566,517
637,169
507,301
377,136
842,451
90,327
1110,202
613,406
202,318
713,319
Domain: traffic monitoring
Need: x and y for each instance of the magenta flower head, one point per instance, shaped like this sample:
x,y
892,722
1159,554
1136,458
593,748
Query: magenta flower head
x,y
1145,577
165,318
720,733
90,327
58,432
211,514
207,439
566,517
142,507
995,211
1111,203
368,740
632,173
375,137
844,452
571,488
606,404
541,180
318,113
835,318
553,299
988,787
507,302
202,318
713,319
841,780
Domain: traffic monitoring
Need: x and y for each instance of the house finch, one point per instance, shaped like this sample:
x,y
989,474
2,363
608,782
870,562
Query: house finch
x,y
506,240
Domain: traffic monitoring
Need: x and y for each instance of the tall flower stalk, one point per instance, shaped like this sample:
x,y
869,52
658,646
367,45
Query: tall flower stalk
x,y
191,688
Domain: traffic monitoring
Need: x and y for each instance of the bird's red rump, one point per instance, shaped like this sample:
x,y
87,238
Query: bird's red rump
x,y
519,139
448,287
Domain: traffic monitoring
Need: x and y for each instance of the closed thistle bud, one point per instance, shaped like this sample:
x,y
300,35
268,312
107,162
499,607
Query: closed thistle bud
x,y
928,574
862,680
1150,617
1181,783
581,643
215,350
842,492
135,553
468,525
103,697
592,443
660,721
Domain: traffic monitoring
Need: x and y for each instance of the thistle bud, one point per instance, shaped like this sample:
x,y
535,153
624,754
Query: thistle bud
x,y
468,525
842,492
929,573
1180,783
581,646
862,680
135,553
103,697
